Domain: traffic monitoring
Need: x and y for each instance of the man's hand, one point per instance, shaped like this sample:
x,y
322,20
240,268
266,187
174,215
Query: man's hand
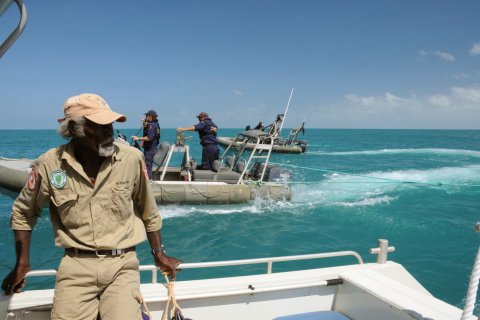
x,y
167,264
15,280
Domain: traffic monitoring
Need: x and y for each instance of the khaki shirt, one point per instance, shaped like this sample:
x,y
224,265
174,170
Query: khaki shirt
x,y
113,213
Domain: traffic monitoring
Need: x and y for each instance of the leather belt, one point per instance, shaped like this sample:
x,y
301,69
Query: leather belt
x,y
97,253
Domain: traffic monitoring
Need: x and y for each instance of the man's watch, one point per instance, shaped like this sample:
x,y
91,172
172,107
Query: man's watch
x,y
160,249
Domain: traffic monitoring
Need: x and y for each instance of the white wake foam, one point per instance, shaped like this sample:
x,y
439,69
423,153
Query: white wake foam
x,y
258,206
439,151
348,190
382,187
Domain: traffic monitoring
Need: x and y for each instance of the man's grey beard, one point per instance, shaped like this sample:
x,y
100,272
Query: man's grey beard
x,y
106,149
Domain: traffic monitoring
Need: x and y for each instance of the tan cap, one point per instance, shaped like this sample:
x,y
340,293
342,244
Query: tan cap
x,y
202,114
91,106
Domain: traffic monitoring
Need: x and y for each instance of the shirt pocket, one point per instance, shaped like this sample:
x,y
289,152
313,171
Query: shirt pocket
x,y
122,204
66,204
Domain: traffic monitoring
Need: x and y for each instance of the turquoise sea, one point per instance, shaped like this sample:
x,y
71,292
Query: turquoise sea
x,y
420,189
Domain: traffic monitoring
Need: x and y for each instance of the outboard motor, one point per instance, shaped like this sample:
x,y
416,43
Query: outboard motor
x,y
274,172
278,174
303,144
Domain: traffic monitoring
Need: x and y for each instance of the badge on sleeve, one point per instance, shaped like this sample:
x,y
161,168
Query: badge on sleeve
x,y
58,179
32,179
145,173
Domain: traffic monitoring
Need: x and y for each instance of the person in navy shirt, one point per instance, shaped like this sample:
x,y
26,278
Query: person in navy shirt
x,y
150,139
207,132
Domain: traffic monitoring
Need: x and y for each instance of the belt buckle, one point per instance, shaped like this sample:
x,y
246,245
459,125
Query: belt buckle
x,y
99,255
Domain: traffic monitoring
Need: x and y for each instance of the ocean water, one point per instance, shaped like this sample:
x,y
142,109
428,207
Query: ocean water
x,y
420,189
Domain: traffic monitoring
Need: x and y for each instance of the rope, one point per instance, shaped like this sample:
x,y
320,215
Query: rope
x,y
171,300
472,289
144,308
171,307
144,304
472,286
203,194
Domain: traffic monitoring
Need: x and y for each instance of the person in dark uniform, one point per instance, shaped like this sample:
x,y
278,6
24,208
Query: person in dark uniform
x,y
150,139
207,131
259,126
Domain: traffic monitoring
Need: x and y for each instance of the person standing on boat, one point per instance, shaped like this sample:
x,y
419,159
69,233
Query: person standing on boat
x,y
150,139
101,206
259,126
207,131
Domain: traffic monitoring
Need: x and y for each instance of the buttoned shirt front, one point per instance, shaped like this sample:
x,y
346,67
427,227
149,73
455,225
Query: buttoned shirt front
x,y
113,213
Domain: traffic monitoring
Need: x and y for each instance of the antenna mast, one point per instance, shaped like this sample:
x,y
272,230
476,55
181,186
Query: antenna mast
x,y
285,114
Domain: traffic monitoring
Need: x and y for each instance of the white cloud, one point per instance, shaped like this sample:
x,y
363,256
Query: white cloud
x,y
238,92
375,101
475,49
442,55
471,94
445,56
365,101
451,108
454,108
455,97
439,100
390,98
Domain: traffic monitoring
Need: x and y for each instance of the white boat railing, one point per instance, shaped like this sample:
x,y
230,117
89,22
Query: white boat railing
x,y
230,263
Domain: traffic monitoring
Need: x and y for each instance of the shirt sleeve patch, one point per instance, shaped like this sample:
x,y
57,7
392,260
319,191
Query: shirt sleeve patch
x,y
145,173
32,179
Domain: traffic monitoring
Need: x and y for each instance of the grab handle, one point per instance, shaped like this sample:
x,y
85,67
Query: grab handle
x,y
19,29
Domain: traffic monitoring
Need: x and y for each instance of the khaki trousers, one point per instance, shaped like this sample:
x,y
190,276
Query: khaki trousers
x,y
89,287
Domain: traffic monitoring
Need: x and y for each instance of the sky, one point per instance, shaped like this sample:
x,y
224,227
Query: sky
x,y
351,64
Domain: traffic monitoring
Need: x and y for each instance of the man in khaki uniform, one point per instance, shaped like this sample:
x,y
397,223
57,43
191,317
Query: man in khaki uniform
x,y
101,207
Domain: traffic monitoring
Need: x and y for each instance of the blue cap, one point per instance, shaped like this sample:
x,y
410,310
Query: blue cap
x,y
151,113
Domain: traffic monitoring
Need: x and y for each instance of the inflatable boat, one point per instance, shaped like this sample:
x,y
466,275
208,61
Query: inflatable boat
x,y
235,178
279,147
271,132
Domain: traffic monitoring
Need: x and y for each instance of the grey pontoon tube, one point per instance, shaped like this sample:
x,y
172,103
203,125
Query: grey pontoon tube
x,y
4,4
